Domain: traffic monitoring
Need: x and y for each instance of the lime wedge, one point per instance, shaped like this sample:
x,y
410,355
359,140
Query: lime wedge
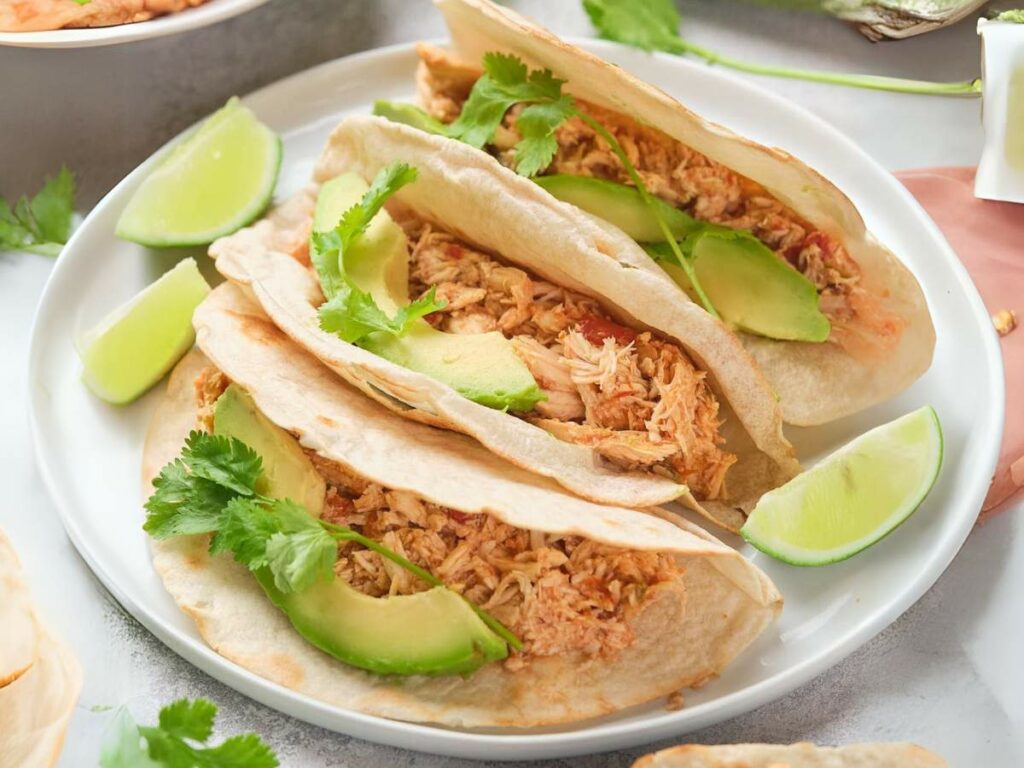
x,y
136,344
854,497
213,183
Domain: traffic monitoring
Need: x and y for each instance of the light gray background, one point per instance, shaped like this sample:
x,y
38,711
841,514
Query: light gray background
x,y
947,674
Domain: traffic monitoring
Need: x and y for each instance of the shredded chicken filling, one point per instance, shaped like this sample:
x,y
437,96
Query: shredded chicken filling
x,y
636,399
558,594
692,182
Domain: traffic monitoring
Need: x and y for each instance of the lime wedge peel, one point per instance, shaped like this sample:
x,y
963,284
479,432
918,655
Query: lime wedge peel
x,y
135,345
215,181
854,497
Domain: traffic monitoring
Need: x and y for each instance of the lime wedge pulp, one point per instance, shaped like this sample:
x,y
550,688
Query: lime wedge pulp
x,y
214,182
136,344
852,498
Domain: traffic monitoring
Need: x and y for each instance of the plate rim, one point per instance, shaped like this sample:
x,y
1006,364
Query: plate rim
x,y
116,34
584,739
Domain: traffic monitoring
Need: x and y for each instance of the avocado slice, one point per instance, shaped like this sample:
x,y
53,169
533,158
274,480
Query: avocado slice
x,y
482,367
620,205
287,471
429,633
749,286
411,115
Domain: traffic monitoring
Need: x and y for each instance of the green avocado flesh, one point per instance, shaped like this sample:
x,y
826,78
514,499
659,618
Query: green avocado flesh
x,y
620,205
750,287
287,471
411,115
428,633
482,367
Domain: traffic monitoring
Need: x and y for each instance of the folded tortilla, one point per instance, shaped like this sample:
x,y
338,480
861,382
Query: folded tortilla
x,y
467,195
19,642
37,703
684,629
882,337
803,755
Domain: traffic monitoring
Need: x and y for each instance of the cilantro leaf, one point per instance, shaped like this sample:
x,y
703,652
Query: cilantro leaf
x,y
298,559
537,125
247,525
353,314
180,741
350,312
507,81
184,719
226,461
328,248
651,25
245,751
40,225
191,492
183,504
244,529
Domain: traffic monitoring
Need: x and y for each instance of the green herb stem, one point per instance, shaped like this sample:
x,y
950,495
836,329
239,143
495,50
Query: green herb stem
x,y
634,176
342,533
873,82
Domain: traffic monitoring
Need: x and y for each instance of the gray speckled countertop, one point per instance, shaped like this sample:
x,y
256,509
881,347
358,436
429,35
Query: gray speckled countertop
x,y
946,674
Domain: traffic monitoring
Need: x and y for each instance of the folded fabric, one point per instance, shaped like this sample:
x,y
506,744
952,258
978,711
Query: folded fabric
x,y
987,237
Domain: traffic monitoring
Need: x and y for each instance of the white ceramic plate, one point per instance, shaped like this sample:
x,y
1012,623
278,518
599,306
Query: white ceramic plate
x,y
191,18
89,452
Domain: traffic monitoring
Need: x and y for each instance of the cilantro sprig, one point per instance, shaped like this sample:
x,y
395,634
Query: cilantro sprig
x,y
40,225
506,81
181,740
350,312
211,489
653,25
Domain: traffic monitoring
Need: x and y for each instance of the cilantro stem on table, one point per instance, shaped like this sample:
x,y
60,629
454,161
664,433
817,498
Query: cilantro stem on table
x,y
653,25
43,224
180,740
211,488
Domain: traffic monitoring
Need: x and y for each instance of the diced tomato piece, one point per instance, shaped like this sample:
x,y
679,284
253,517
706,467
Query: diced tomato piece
x,y
596,329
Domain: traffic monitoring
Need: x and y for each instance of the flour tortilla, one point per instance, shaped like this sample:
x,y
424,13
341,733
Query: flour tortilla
x,y
36,704
804,755
472,195
817,383
19,640
686,634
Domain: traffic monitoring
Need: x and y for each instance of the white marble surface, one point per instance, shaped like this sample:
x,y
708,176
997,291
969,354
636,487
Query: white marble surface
x,y
947,674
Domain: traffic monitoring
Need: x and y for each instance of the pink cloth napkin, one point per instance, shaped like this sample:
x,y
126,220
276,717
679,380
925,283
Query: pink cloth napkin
x,y
989,238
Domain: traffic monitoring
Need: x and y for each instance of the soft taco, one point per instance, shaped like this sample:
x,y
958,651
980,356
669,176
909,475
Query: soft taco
x,y
803,755
531,606
834,319
569,363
